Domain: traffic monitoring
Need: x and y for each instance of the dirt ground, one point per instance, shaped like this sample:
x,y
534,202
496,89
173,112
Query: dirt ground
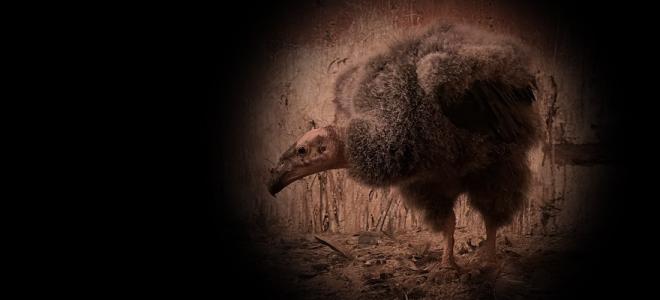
x,y
377,265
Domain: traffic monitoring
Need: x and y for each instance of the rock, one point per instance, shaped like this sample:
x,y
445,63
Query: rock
x,y
368,238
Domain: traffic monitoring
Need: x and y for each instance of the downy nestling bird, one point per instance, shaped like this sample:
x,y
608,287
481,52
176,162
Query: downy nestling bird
x,y
438,114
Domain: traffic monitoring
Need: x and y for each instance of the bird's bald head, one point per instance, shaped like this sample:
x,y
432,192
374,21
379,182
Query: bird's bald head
x,y
317,150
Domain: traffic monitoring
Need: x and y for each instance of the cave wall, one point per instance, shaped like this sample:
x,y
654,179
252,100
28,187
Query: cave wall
x,y
296,71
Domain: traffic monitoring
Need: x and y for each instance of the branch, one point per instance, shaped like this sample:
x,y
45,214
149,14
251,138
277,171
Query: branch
x,y
341,251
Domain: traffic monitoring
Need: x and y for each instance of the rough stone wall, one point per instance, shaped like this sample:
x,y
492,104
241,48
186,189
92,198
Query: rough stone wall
x,y
293,94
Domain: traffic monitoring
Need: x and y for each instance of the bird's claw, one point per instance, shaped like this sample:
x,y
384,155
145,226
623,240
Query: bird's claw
x,y
444,271
484,260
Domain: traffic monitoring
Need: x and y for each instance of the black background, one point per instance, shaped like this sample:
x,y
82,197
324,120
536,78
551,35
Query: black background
x,y
181,235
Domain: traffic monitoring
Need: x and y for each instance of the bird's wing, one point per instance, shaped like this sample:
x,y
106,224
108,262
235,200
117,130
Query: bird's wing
x,y
481,88
492,107
345,87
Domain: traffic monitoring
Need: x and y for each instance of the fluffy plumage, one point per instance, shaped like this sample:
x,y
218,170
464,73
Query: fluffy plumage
x,y
445,112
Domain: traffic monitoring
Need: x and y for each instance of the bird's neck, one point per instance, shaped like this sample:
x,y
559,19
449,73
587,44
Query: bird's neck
x,y
339,137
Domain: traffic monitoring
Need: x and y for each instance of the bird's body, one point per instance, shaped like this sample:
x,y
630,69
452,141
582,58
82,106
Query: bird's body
x,y
442,113
449,110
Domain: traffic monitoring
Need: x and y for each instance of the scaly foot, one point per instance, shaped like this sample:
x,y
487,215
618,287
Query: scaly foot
x,y
444,271
484,258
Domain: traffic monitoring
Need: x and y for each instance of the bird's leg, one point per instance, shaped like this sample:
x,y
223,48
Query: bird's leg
x,y
489,244
447,270
448,233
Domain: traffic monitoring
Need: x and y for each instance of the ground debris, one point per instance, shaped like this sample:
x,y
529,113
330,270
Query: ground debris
x,y
406,268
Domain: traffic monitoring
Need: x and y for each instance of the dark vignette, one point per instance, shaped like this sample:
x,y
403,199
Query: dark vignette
x,y
207,245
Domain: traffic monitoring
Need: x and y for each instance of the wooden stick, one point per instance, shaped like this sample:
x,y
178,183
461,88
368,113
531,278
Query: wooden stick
x,y
334,247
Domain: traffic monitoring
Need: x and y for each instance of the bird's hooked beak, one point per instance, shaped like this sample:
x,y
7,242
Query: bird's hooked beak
x,y
316,151
281,176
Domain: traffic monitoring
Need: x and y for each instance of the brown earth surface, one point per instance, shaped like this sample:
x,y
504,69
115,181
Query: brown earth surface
x,y
377,265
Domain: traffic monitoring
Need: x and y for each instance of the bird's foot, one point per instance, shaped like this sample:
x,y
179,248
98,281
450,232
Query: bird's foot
x,y
444,271
484,259
448,264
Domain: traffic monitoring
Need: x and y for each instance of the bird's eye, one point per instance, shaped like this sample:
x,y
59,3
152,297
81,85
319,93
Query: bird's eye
x,y
322,149
302,151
